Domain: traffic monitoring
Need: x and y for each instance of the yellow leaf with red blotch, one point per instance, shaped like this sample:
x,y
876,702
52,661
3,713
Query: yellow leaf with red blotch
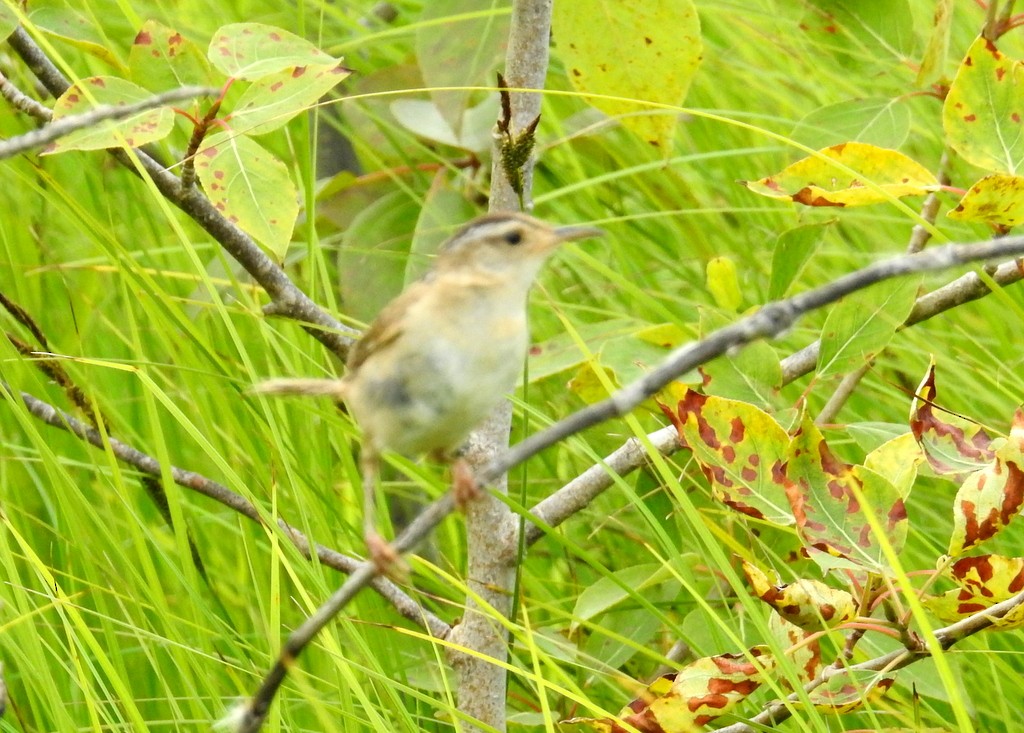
x,y
990,498
953,445
831,500
849,174
983,582
740,449
995,199
983,115
699,693
809,604
845,692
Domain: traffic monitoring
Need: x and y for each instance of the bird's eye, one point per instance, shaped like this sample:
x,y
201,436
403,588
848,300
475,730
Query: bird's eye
x,y
514,237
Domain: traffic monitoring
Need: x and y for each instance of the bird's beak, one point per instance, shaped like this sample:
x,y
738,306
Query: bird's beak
x,y
570,234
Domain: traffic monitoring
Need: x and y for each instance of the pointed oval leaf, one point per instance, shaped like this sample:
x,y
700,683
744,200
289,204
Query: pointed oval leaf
x,y
161,58
273,100
253,50
646,51
72,27
846,692
830,498
933,62
995,199
808,604
861,325
983,581
817,181
877,121
953,445
984,110
740,449
462,53
250,187
991,498
87,94
897,460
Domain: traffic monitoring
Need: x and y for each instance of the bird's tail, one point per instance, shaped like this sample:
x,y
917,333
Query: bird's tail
x,y
308,387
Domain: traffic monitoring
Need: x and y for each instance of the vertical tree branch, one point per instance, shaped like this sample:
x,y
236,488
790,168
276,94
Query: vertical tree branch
x,y
491,547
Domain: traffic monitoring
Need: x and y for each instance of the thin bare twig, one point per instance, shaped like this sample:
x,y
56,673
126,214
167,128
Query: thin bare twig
x,y
66,125
200,484
249,717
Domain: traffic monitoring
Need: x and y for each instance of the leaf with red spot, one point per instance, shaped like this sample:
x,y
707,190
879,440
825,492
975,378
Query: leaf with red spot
x,y
984,110
995,199
87,94
274,99
897,460
982,582
990,498
809,604
953,445
850,174
250,187
161,58
640,71
933,61
64,22
254,50
740,449
831,500
802,654
848,691
693,697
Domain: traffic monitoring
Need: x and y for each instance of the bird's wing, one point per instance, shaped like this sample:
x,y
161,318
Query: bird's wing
x,y
386,327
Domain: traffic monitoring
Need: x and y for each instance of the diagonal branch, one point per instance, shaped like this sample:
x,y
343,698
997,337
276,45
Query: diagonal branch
x,y
200,484
288,299
771,320
779,710
66,125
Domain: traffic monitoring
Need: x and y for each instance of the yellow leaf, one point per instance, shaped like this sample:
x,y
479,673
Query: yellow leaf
x,y
878,174
645,51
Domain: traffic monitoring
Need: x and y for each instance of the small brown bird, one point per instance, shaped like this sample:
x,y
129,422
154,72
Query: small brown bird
x,y
445,352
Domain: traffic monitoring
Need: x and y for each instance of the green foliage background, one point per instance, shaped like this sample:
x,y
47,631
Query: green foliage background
x,y
105,621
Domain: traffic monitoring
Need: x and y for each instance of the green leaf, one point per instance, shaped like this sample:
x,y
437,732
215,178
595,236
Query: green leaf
x,y
87,94
897,461
59,21
375,249
877,121
861,325
607,592
254,50
161,58
933,62
423,118
723,284
984,109
741,450
444,210
462,53
830,498
793,249
818,181
250,187
646,51
873,27
995,199
751,375
273,100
